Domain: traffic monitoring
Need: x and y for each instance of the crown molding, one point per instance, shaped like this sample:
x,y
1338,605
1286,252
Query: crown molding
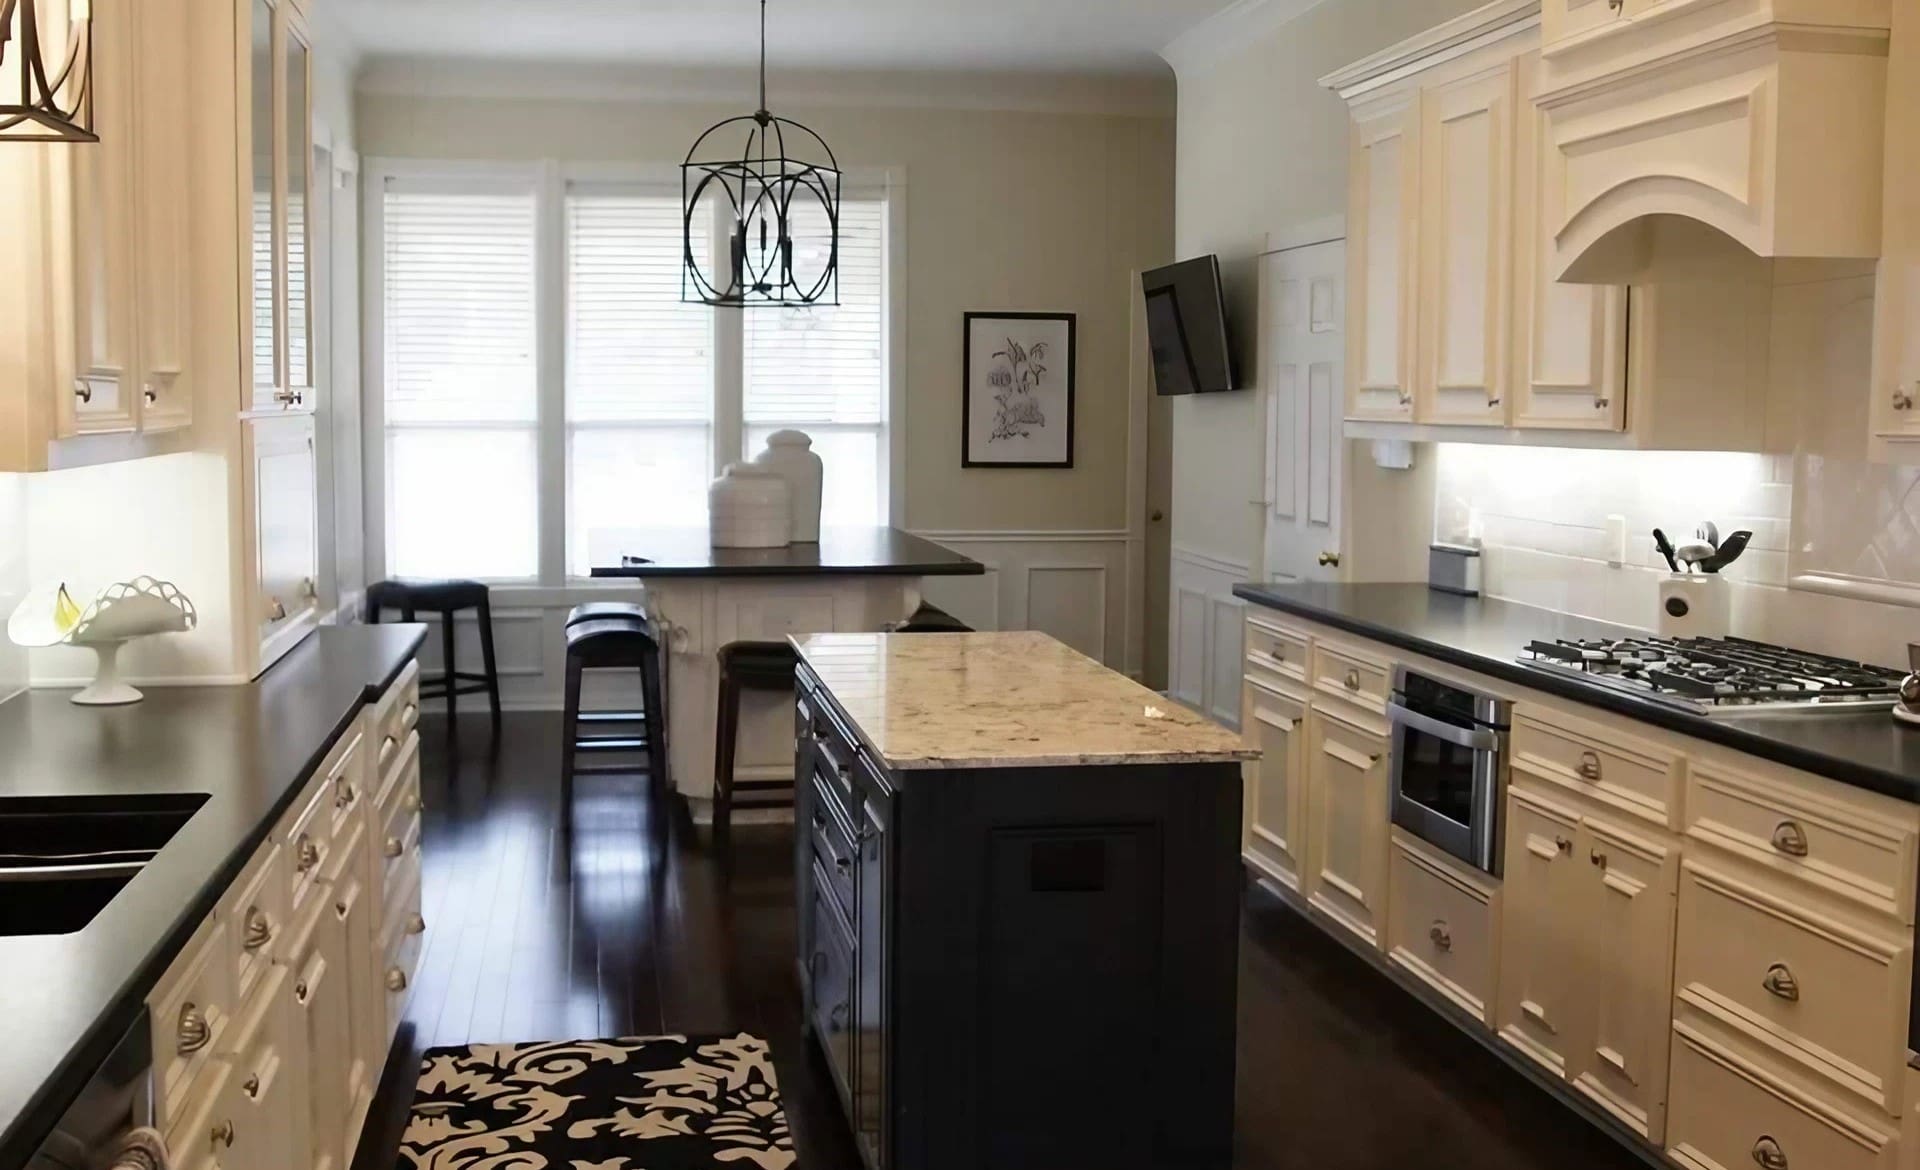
x,y
1463,34
1230,30
1136,95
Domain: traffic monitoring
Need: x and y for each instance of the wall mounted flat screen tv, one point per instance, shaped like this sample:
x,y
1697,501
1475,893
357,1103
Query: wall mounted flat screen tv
x,y
1187,328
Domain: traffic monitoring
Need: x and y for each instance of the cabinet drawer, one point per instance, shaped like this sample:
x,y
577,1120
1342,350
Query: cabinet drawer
x,y
1625,773
256,915
399,707
1276,651
400,956
191,1010
1816,832
393,757
1352,677
346,781
830,982
308,838
1441,927
399,856
189,1133
400,789
832,835
1823,993
1729,1114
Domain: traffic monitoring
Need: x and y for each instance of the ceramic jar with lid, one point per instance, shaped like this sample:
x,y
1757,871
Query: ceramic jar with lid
x,y
791,454
750,507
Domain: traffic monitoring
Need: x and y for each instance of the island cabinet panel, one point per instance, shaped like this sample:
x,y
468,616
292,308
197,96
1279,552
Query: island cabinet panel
x,y
1025,948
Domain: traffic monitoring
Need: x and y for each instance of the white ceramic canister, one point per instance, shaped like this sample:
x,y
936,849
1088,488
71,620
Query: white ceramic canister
x,y
791,454
1695,605
750,507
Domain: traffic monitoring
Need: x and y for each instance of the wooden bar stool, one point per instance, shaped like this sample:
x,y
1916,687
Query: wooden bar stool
x,y
607,643
632,613
411,595
747,666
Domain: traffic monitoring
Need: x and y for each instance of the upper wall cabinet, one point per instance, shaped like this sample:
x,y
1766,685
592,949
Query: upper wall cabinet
x,y
276,301
98,234
1451,171
1756,123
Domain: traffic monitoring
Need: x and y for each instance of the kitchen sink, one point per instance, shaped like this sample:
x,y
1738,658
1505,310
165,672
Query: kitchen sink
x,y
62,861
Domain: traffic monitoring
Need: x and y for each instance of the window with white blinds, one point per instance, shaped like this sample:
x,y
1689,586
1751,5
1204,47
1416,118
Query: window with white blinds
x,y
484,442
461,385
822,370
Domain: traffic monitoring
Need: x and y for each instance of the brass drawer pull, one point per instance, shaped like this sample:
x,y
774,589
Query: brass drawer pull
x,y
416,924
1352,681
1441,936
413,802
1562,844
344,794
1598,858
1790,839
1779,981
259,929
193,1032
396,979
1589,766
1768,1155
393,847
306,854
252,1087
387,744
300,992
223,1134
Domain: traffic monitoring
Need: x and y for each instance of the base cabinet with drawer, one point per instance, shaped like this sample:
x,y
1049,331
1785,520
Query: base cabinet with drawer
x,y
1348,779
272,1025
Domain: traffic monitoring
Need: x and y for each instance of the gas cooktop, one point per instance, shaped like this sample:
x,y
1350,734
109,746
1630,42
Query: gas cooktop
x,y
1720,676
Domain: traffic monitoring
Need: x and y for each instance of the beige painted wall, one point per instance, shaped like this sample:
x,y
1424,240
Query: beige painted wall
x,y
1261,148
1005,211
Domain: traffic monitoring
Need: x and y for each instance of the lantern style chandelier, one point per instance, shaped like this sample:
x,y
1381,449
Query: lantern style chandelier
x,y
46,74
777,199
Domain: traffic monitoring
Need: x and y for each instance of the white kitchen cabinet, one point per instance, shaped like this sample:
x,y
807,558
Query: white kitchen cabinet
x,y
324,1020
1382,248
1564,19
1542,973
277,303
1466,160
285,532
1347,766
99,239
1274,723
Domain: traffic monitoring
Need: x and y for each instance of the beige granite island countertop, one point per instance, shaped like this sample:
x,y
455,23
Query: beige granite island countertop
x,y
1004,700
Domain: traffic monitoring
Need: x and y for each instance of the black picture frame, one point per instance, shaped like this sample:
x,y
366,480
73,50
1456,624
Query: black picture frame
x,y
969,456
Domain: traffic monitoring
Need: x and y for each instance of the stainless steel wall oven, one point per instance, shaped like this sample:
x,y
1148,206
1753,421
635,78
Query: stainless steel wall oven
x,y
1449,765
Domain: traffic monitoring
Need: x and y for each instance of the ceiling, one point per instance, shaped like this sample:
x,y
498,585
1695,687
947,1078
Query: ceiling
x,y
1111,37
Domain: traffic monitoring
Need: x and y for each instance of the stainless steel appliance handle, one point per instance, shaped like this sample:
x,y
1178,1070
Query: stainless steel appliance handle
x,y
50,873
1476,739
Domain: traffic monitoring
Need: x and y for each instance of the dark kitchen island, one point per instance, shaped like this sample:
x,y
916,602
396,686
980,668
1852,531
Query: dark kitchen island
x,y
1018,884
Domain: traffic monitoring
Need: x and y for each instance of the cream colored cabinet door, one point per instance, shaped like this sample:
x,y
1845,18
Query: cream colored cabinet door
x,y
1382,243
278,173
324,1020
1274,724
164,280
353,905
1466,179
285,534
1543,953
1628,916
1560,19
1569,340
1347,845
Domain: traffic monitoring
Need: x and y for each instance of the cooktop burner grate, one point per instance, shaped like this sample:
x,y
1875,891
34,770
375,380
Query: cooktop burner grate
x,y
1720,675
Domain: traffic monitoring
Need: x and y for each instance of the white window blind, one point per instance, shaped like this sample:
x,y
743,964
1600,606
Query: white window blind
x,y
461,386
822,370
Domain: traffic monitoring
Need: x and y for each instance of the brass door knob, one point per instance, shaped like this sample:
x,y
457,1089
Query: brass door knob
x,y
259,929
396,979
393,847
1780,983
1790,839
1329,559
1441,936
193,1031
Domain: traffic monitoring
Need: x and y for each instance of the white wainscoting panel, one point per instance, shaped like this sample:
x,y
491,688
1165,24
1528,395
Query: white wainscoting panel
x,y
1206,633
1070,584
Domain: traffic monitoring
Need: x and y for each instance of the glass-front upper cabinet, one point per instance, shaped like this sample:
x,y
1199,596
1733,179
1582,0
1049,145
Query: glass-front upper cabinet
x,y
280,315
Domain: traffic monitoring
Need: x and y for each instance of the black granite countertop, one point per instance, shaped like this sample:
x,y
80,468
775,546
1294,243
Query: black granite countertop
x,y
846,552
1484,635
65,1000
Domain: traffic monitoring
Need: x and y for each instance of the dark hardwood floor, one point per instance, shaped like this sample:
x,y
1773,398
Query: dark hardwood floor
x,y
635,925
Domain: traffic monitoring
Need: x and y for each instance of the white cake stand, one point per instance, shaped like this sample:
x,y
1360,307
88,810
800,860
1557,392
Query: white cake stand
x,y
121,613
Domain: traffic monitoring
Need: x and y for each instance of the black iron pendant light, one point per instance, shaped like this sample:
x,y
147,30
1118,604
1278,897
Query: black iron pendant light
x,y
54,100
779,201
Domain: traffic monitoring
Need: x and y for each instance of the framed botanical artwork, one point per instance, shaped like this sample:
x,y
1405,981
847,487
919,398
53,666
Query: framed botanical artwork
x,y
1018,387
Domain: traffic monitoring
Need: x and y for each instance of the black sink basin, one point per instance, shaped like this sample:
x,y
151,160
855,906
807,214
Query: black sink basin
x,y
62,861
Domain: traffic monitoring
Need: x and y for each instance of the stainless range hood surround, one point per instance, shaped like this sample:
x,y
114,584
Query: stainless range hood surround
x,y
1689,135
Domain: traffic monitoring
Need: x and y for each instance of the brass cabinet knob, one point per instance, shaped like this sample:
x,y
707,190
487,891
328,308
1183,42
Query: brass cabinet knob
x,y
1563,845
1598,858
306,854
82,390
340,908
1902,398
343,794
1352,681
276,611
1441,936
1768,1155
300,991
393,847
1790,839
1406,399
1329,559
223,1134
416,924
1602,403
1589,766
308,588
1780,983
193,1031
396,979
413,802
252,1087
148,393
259,929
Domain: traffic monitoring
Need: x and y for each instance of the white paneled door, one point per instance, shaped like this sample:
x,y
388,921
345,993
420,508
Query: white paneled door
x,y
1303,310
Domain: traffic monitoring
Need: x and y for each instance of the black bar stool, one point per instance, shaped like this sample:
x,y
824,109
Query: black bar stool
x,y
411,595
931,619
606,643
747,666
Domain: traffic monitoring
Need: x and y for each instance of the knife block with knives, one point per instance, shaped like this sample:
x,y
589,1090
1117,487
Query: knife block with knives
x,y
1695,600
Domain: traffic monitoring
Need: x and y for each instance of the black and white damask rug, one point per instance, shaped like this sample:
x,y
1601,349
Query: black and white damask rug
x,y
645,1103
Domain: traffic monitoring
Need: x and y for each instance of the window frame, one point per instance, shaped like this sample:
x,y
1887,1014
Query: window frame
x,y
549,180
